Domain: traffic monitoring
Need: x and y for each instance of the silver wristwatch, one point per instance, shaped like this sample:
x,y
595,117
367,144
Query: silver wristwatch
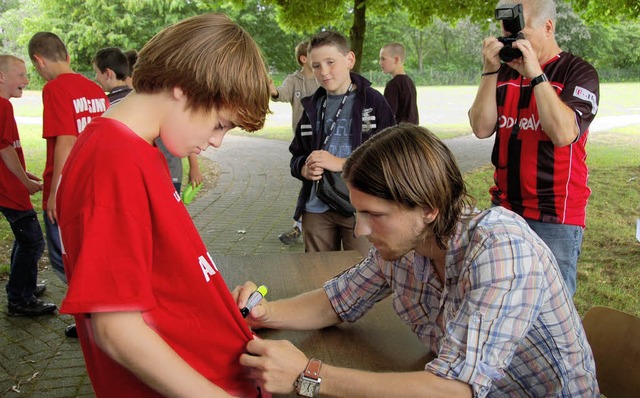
x,y
308,383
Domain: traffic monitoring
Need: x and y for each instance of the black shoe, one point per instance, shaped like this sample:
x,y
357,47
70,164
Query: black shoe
x,y
34,307
71,331
290,237
40,289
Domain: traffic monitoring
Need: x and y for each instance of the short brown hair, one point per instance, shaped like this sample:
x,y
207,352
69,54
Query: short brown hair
x,y
330,38
395,50
47,45
409,165
216,64
301,49
112,58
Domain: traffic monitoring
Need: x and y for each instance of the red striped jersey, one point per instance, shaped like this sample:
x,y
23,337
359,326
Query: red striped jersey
x,y
533,177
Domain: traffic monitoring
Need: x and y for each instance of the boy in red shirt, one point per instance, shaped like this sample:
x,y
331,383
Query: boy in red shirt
x,y
16,184
153,314
70,101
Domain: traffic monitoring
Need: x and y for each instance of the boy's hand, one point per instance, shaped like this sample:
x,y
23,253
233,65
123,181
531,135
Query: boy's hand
x,y
272,89
33,176
52,214
33,186
324,160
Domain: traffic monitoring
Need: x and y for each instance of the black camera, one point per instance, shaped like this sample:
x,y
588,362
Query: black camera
x,y
512,19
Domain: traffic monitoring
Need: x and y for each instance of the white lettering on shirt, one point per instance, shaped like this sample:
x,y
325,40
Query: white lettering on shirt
x,y
524,123
16,144
82,123
208,266
586,95
93,105
176,196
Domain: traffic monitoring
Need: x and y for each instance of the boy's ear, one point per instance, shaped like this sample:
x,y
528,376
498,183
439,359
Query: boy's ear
x,y
351,59
38,60
178,94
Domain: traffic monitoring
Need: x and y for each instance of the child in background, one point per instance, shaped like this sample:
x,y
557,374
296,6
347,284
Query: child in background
x,y
302,83
155,318
69,101
16,184
400,91
342,114
112,69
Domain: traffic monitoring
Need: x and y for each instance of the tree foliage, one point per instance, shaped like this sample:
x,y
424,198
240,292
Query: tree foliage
x,y
442,36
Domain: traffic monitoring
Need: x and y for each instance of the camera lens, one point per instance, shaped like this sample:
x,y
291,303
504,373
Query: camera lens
x,y
508,53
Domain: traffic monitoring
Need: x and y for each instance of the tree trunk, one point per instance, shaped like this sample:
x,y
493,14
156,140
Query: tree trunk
x,y
356,35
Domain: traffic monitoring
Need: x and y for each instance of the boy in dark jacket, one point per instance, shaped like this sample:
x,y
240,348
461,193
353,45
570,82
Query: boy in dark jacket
x,y
343,113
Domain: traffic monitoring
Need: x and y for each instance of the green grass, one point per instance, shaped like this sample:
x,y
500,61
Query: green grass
x,y
609,265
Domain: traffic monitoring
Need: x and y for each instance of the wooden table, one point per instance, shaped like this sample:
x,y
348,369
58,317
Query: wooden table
x,y
379,341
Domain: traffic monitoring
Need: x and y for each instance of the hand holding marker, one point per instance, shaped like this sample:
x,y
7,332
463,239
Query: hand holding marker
x,y
253,300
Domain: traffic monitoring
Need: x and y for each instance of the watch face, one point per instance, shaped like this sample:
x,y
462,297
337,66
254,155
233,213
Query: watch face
x,y
308,388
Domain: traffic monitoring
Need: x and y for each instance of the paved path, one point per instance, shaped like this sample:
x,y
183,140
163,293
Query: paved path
x,y
254,198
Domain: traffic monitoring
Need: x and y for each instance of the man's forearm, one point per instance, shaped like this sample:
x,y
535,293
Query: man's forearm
x,y
484,111
341,382
308,311
557,119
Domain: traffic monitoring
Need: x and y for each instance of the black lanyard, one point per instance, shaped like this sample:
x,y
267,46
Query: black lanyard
x,y
335,118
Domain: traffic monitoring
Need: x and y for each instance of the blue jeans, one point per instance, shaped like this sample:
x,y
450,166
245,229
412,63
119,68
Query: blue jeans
x,y
565,242
25,253
54,247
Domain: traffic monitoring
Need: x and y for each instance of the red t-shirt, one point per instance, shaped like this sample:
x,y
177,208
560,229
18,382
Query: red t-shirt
x,y
533,177
13,194
129,245
70,101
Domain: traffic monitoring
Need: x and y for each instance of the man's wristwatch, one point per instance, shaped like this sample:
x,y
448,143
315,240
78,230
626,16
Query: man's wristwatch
x,y
538,79
308,384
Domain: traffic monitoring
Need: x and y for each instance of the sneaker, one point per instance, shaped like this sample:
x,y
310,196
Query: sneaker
x,y
34,307
40,289
290,237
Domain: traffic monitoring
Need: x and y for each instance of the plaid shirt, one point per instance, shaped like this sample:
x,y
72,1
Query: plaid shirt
x,y
503,322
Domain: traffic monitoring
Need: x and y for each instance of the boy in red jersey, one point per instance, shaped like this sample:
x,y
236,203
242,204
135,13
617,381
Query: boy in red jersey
x,y
16,184
69,101
154,315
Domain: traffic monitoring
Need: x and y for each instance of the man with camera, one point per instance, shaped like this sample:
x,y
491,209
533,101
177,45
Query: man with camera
x,y
539,100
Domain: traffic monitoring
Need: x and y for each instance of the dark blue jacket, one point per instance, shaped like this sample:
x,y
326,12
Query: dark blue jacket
x,y
370,113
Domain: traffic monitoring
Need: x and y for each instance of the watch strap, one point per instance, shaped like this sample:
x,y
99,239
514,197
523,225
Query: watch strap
x,y
312,371
538,79
308,384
